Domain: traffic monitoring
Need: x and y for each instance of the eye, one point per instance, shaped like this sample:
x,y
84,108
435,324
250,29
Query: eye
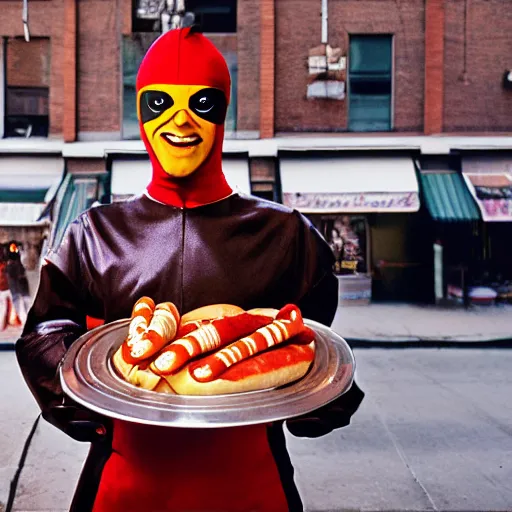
x,y
204,105
158,101
153,104
210,104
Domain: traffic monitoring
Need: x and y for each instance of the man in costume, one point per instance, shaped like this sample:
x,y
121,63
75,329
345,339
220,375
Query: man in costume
x,y
192,241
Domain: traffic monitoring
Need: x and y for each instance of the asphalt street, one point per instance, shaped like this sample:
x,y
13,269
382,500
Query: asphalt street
x,y
434,433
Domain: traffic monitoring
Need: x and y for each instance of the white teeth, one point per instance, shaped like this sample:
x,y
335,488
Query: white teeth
x,y
181,140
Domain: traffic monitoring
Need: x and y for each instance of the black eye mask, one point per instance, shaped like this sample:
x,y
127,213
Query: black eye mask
x,y
210,105
153,104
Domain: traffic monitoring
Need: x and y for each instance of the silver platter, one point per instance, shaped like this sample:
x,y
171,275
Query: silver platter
x,y
88,377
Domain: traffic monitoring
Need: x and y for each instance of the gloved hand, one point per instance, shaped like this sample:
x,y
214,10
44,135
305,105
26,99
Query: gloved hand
x,y
79,423
335,414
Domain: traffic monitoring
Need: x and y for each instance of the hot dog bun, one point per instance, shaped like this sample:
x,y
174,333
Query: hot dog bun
x,y
271,312
270,369
210,312
143,378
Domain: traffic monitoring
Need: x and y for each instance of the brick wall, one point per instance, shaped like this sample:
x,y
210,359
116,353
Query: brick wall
x,y
267,68
99,66
299,29
85,165
248,39
481,104
28,64
46,19
263,169
434,66
477,106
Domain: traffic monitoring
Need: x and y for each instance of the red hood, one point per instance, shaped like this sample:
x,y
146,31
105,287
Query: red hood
x,y
183,57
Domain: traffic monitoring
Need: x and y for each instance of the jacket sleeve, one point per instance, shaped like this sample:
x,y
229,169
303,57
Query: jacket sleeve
x,y
56,319
318,300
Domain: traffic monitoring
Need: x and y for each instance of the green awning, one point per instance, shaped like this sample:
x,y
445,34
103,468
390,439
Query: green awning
x,y
36,195
447,197
76,194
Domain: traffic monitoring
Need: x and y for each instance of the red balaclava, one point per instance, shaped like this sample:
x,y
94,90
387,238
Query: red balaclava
x,y
183,57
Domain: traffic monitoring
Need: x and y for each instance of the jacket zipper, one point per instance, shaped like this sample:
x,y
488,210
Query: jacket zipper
x,y
182,256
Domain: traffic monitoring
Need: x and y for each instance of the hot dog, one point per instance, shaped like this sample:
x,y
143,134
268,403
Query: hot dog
x,y
288,323
160,331
209,337
274,368
276,349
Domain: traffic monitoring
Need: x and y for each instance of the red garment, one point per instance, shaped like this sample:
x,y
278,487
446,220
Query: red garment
x,y
181,58
4,284
156,469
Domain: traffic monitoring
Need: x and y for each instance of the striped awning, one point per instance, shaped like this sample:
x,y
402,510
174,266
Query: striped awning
x,y
447,197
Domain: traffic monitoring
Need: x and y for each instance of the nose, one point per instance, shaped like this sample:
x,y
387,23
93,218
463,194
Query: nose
x,y
181,118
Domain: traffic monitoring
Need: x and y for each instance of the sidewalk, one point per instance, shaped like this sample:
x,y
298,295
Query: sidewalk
x,y
407,324
9,336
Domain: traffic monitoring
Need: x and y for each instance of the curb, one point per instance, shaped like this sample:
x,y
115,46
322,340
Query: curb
x,y
505,343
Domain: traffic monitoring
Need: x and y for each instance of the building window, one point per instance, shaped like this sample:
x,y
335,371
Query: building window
x,y
370,83
214,17
135,47
27,85
217,16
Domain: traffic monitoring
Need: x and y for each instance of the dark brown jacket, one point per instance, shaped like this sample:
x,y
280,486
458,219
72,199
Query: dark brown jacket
x,y
240,250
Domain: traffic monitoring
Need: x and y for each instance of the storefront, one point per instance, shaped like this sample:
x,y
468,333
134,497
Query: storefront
x,y
361,206
27,189
130,174
453,231
489,180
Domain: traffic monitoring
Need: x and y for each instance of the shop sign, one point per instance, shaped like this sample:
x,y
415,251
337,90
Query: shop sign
x,y
354,202
493,194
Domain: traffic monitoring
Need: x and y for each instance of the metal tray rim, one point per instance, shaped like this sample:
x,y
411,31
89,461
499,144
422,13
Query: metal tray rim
x,y
203,411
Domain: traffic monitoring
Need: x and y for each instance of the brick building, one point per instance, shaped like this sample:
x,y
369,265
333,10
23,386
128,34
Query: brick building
x,y
388,122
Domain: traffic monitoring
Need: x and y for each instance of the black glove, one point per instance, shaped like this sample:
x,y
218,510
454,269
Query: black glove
x,y
79,423
335,414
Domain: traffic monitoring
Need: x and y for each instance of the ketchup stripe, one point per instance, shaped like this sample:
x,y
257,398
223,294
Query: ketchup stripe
x,y
187,345
209,337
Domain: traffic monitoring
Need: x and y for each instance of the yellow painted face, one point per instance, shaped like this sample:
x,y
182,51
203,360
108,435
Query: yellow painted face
x,y
180,123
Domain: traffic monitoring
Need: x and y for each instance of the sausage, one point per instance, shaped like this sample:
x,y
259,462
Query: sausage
x,y
160,331
206,338
288,323
142,313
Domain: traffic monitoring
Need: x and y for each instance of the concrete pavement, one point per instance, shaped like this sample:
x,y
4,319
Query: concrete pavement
x,y
388,323
433,434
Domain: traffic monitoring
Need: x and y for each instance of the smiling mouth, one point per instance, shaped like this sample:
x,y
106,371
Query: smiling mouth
x,y
182,142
